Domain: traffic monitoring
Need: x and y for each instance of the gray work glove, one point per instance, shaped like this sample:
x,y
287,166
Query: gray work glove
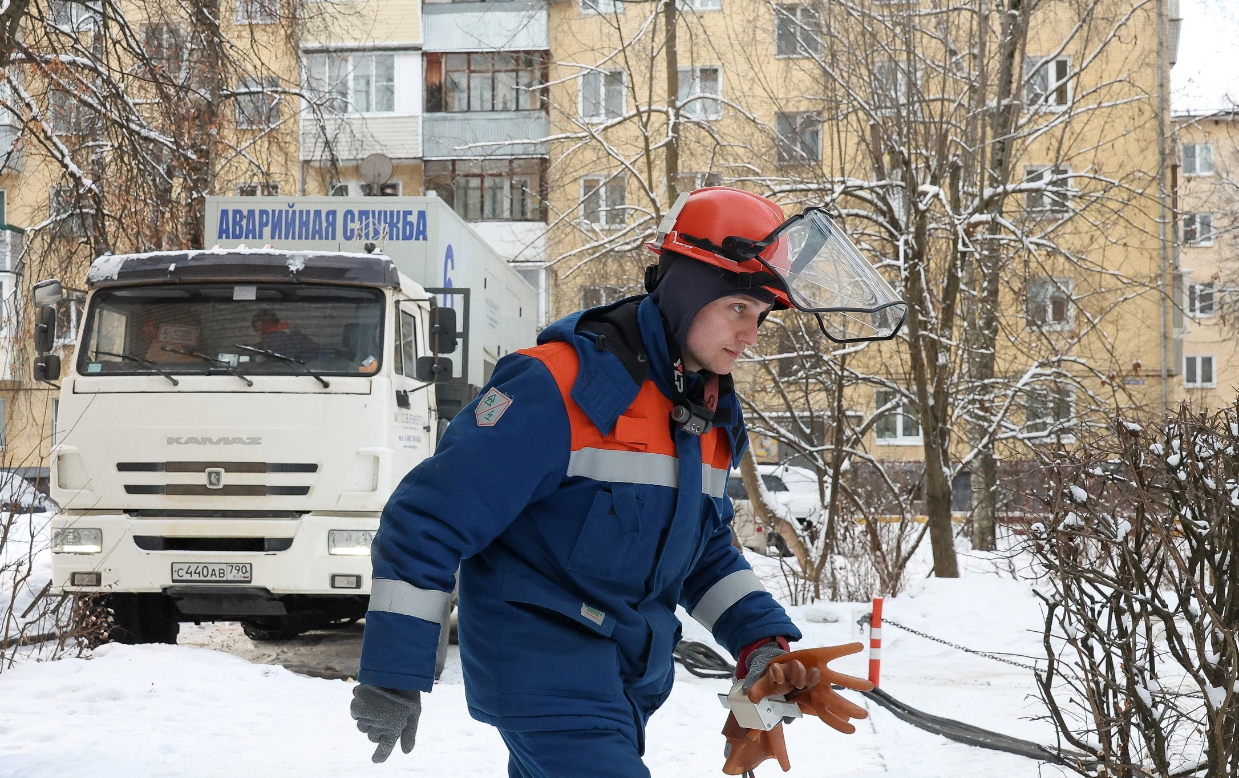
x,y
758,660
385,716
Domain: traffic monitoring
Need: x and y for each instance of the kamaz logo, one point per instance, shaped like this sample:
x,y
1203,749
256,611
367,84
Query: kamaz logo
x,y
214,441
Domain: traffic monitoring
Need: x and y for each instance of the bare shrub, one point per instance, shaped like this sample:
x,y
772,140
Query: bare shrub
x,y
1142,597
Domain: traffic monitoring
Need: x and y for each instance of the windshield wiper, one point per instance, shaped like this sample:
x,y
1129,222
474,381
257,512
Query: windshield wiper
x,y
219,363
140,361
299,363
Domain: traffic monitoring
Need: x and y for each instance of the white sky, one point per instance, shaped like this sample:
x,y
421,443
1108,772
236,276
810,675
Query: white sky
x,y
1206,76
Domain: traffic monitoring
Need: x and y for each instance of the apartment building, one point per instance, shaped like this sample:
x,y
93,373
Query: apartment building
x,y
1206,209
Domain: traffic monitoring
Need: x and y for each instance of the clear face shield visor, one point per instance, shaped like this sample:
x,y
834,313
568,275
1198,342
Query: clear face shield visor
x,y
823,273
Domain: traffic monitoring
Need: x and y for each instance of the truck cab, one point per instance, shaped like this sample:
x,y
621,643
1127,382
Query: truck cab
x,y
230,427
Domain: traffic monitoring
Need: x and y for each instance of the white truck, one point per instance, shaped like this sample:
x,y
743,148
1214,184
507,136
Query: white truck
x,y
234,420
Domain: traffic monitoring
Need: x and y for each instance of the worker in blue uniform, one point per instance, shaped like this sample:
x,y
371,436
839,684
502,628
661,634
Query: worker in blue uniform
x,y
583,497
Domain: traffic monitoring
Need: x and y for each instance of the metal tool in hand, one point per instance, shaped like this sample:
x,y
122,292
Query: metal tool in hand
x,y
769,701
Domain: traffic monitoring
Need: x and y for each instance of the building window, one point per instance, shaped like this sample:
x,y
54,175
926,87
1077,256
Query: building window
x,y
595,7
1049,303
603,201
700,89
1052,192
900,424
688,182
1200,299
258,11
798,138
594,296
602,95
1198,229
1047,81
353,83
490,189
72,219
165,43
258,107
1049,409
67,115
699,5
266,189
72,15
891,84
1197,159
1198,371
4,423
493,81
797,31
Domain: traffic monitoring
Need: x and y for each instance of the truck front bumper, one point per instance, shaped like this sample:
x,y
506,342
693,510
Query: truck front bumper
x,y
287,556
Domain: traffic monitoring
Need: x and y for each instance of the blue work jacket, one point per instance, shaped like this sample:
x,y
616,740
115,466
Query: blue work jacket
x,y
579,517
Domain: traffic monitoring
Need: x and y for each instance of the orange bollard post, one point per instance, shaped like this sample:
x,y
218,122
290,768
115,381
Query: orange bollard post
x,y
875,641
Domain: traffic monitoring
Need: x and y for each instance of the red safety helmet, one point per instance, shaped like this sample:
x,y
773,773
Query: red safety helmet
x,y
807,262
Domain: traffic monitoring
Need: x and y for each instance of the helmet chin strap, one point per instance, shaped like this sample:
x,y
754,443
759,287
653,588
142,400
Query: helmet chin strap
x,y
692,417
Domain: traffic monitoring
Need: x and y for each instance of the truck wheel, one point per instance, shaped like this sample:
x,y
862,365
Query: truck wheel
x,y
142,618
271,628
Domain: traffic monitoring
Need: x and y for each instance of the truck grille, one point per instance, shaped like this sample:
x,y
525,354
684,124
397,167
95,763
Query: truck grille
x,y
226,490
227,467
160,543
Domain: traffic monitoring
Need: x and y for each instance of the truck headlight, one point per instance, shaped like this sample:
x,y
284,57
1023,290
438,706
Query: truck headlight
x,y
349,542
76,540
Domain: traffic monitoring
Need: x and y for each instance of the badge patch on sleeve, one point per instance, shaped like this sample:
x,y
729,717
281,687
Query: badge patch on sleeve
x,y
491,407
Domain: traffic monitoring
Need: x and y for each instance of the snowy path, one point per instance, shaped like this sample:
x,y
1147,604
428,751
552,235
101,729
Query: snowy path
x,y
184,711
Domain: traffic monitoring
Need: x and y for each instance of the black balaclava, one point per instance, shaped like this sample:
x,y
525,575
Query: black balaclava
x,y
689,285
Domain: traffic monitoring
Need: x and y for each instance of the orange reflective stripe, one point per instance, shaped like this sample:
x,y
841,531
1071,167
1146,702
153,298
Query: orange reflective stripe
x,y
640,449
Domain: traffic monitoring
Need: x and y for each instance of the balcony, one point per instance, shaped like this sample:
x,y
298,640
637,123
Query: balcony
x,y
353,138
486,134
517,26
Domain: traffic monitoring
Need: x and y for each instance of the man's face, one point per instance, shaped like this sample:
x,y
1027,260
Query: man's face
x,y
721,332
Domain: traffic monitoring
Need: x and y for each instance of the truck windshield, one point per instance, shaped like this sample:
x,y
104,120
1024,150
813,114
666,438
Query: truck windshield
x,y
253,329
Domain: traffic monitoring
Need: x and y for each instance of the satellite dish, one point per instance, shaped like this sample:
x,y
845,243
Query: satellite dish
x,y
376,170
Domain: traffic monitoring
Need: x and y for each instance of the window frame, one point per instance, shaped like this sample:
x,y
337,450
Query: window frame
x,y
783,15
604,187
698,6
259,188
339,95
269,12
65,218
1195,171
1197,362
607,294
438,73
595,7
898,415
1202,300
800,120
1052,394
1059,86
273,115
537,213
1195,220
603,77
1055,285
696,105
1048,206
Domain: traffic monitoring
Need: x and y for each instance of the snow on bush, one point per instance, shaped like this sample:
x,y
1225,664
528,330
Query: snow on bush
x,y
1141,595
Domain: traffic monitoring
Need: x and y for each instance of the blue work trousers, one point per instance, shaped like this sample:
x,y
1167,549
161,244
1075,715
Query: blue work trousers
x,y
596,753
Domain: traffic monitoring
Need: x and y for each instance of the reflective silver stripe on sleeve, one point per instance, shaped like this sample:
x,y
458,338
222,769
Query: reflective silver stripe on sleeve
x,y
713,481
392,596
627,467
728,591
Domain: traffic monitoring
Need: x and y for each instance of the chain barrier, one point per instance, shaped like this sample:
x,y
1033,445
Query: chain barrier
x,y
965,649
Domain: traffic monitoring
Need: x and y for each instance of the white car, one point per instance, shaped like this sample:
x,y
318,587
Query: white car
x,y
794,488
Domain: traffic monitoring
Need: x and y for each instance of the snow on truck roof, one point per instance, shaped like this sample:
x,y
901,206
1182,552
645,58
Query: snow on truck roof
x,y
243,264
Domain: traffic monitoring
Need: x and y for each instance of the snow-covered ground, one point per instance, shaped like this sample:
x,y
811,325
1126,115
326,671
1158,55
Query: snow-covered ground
x,y
188,711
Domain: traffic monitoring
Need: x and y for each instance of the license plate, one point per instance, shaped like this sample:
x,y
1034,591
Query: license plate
x,y
212,572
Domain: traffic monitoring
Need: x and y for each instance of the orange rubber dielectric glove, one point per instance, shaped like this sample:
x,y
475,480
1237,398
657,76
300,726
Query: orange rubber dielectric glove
x,y
749,748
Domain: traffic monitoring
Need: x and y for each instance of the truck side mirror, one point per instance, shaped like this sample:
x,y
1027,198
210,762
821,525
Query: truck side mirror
x,y
437,369
47,368
47,292
45,328
443,330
